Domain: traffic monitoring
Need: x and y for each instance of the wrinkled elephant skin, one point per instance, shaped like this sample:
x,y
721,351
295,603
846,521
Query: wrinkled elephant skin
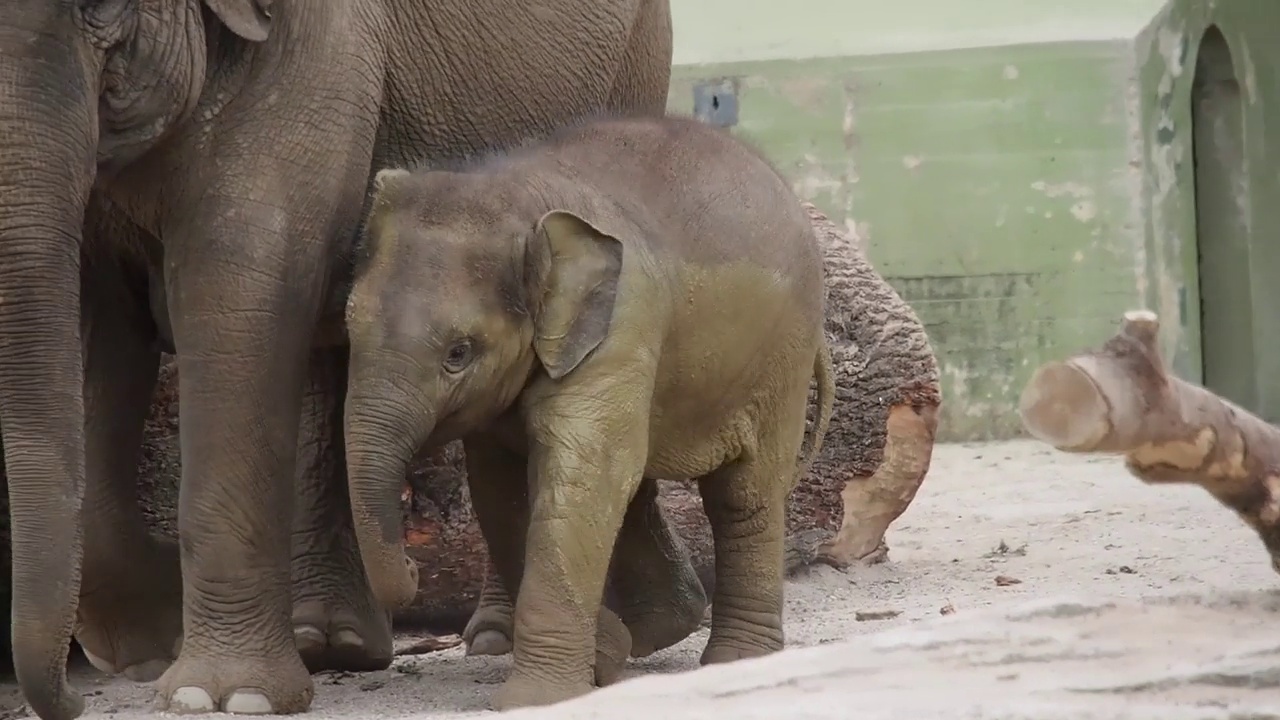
x,y
189,175
630,300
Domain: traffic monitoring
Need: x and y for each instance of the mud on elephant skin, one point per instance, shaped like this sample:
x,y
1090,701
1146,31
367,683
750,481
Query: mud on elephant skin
x,y
639,592
585,313
878,450
111,113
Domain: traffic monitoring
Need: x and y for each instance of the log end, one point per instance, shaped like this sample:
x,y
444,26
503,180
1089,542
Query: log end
x,y
872,503
1062,406
1142,326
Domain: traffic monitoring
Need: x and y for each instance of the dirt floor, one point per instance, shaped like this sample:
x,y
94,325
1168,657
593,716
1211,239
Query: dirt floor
x,y
993,524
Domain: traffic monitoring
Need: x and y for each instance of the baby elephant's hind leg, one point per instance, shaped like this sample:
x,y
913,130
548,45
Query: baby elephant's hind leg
x,y
489,631
658,593
745,502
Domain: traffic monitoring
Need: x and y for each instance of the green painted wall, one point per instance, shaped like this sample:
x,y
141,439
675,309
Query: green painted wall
x,y
1213,260
1010,175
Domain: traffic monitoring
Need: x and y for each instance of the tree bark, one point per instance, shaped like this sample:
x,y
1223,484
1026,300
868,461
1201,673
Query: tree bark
x,y
875,456
1121,399
885,419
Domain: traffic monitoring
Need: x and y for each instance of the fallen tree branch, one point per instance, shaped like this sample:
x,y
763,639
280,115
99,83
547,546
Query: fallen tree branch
x,y
1121,399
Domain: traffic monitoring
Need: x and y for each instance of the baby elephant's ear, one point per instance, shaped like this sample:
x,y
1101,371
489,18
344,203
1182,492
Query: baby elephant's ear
x,y
575,270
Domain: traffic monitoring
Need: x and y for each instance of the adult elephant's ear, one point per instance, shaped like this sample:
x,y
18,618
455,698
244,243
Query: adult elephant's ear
x,y
250,19
573,270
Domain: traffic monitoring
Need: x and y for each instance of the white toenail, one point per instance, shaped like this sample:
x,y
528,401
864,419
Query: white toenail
x,y
191,699
248,703
145,672
348,638
308,633
98,662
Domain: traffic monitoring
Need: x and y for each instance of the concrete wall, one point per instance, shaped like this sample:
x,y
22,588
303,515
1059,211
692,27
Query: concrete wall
x,y
1209,139
998,156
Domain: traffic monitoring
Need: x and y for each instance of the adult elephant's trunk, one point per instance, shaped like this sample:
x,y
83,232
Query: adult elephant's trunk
x,y
48,129
384,428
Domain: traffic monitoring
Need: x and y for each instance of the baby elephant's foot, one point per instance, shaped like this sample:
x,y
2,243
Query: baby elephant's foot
x,y
657,627
330,637
722,651
490,629
519,691
130,617
200,683
613,647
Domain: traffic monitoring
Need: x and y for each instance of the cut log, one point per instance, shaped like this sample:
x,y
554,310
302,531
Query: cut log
x,y
885,419
875,456
1121,399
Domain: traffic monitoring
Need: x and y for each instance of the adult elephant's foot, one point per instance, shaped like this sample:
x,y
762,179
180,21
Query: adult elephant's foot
x,y
337,623
201,682
130,617
519,691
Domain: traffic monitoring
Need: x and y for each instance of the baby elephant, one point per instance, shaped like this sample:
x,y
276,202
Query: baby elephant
x,y
631,299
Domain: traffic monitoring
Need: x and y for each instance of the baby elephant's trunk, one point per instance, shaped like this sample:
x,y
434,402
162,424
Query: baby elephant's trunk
x,y
826,377
380,444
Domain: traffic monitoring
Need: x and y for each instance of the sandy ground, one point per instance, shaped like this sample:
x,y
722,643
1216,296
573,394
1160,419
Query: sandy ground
x,y
1051,523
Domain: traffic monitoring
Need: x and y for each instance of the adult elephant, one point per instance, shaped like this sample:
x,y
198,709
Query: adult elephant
x,y
212,159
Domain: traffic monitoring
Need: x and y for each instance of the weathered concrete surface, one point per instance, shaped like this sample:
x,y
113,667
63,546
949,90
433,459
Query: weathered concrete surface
x,y
1192,656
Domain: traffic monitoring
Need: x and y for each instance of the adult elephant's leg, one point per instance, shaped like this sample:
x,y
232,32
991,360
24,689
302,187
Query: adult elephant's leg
x,y
337,623
243,297
130,616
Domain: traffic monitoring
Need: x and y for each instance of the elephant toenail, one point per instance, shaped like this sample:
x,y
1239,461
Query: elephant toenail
x,y
148,671
191,699
308,635
347,638
247,702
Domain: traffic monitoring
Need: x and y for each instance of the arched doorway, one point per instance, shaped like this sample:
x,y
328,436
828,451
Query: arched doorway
x,y
1222,225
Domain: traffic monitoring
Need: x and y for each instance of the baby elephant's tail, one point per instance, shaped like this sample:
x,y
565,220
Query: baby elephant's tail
x,y
825,374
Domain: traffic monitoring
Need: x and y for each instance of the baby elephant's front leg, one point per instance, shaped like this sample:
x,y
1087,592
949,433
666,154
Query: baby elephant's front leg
x,y
582,478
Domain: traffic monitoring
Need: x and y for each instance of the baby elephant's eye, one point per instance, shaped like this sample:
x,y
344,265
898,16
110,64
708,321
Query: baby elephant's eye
x,y
460,355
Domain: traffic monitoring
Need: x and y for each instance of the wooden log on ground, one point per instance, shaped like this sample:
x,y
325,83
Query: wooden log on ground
x,y
1121,399
885,419
875,456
